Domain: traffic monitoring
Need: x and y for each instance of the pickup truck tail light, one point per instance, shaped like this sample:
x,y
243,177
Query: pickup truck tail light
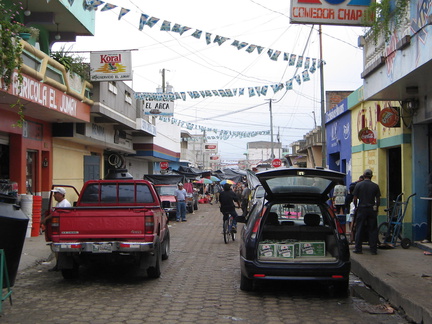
x,y
149,224
55,225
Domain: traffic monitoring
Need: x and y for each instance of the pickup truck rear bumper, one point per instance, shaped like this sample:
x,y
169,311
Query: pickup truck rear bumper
x,y
103,247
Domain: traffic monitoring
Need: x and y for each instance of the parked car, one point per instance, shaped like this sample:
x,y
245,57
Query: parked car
x,y
293,234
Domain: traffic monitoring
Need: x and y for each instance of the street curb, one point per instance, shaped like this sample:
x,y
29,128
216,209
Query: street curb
x,y
398,299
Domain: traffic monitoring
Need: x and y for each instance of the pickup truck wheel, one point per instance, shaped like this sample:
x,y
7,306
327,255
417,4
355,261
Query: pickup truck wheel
x,y
155,271
166,247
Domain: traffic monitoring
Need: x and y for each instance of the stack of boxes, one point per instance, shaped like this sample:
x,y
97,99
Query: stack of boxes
x,y
291,249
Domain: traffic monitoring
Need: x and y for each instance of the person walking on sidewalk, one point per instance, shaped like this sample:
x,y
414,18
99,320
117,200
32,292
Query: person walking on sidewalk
x,y
245,199
227,198
367,196
180,197
339,193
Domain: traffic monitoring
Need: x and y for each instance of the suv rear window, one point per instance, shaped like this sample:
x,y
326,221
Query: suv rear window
x,y
111,193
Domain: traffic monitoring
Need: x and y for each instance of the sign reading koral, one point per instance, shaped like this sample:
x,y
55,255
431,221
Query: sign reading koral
x,y
110,66
163,165
160,108
276,163
329,12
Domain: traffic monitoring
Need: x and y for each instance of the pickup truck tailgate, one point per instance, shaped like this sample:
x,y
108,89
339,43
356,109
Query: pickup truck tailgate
x,y
102,223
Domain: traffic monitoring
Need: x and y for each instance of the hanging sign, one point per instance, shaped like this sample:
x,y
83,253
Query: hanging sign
x,y
160,108
210,147
110,66
389,117
367,136
329,12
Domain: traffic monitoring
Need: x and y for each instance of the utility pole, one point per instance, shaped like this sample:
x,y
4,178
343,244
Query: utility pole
x,y
323,132
163,80
272,156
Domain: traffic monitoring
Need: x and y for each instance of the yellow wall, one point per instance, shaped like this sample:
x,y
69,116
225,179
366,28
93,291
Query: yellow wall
x,y
68,164
374,156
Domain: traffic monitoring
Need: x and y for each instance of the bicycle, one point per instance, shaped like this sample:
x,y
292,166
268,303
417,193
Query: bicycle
x,y
228,232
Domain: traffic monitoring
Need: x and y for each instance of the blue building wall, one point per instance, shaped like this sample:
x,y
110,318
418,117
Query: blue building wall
x,y
338,137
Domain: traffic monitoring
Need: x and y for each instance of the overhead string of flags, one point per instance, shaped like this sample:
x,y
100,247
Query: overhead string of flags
x,y
309,65
219,134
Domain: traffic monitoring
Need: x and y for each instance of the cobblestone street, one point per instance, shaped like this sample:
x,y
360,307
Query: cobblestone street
x,y
199,284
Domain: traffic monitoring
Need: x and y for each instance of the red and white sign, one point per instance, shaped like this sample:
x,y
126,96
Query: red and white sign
x,y
211,147
329,12
276,163
389,117
110,66
163,165
367,136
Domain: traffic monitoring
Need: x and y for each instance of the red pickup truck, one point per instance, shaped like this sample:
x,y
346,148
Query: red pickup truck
x,y
112,220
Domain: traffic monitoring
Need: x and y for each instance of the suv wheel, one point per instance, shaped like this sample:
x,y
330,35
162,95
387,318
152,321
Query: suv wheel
x,y
246,284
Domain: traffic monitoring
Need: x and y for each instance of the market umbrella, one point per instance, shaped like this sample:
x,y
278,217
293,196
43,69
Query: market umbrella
x,y
215,179
204,181
227,181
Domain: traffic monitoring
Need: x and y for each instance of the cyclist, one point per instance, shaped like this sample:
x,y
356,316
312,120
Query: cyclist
x,y
226,199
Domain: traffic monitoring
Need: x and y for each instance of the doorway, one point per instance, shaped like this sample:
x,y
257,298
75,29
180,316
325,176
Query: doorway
x,y
394,174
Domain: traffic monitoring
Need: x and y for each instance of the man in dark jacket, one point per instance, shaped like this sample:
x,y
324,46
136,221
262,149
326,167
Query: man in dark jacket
x,y
367,196
227,198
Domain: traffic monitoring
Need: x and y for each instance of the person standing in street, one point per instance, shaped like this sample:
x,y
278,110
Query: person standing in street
x,y
339,193
227,198
180,197
366,199
245,199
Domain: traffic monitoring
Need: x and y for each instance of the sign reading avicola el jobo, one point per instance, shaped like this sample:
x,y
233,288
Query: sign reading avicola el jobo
x,y
110,66
329,12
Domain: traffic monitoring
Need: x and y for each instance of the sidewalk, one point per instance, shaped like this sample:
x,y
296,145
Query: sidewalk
x,y
403,277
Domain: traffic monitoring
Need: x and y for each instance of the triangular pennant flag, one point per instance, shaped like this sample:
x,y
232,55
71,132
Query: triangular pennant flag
x,y
300,61
313,67
208,38
203,94
220,40
234,91
222,93
235,43
228,92
123,12
197,34
241,91
292,59
260,49
307,63
274,87
242,45
275,55
269,52
305,75
152,21
183,95
108,6
176,28
215,92
143,20
251,48
258,90
177,95
166,26
289,84
71,2
251,92
286,56
298,79
183,29
264,90
190,93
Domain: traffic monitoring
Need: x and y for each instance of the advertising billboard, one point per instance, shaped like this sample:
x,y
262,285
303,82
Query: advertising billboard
x,y
110,66
329,12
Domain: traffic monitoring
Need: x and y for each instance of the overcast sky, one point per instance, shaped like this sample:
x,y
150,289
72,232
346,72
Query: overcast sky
x,y
192,65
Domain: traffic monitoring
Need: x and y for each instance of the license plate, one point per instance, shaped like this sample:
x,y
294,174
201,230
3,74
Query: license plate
x,y
102,247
